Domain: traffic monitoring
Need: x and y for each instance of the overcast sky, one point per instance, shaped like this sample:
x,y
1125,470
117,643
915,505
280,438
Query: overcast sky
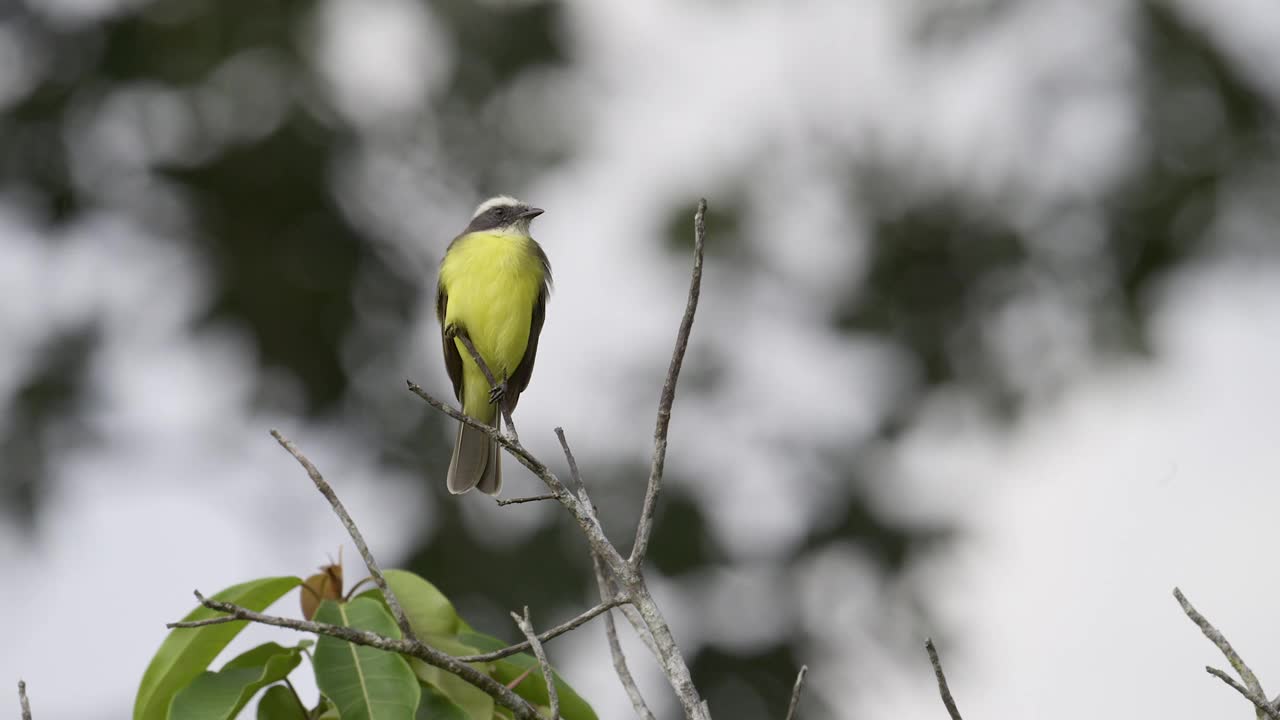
x,y
1075,524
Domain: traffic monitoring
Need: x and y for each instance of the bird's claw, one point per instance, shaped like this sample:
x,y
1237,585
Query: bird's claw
x,y
498,392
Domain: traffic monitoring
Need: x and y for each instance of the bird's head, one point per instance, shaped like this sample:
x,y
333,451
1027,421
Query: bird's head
x,y
504,215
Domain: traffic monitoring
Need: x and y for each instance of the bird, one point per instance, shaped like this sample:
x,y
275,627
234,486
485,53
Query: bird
x,y
493,285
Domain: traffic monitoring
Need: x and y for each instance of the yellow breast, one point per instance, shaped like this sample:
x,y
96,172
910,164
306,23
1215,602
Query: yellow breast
x,y
493,281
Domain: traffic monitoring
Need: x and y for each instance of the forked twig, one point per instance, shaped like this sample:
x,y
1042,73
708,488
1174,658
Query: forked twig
x,y
1252,688
645,527
556,631
314,473
1262,707
526,627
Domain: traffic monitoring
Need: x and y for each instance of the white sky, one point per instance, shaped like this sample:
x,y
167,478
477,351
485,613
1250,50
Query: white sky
x,y
1076,524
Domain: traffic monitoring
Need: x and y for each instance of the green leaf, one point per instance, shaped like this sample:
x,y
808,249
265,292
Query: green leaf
x,y
222,695
428,610
279,703
327,710
186,652
475,703
435,705
365,683
533,688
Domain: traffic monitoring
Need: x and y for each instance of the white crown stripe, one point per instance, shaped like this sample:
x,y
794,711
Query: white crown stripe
x,y
495,202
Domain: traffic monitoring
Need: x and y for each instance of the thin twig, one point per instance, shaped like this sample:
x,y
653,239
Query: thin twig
x,y
392,602
795,692
529,499
461,335
586,521
219,620
1264,708
405,646
573,462
945,691
615,648
556,631
526,627
645,526
22,700
1217,638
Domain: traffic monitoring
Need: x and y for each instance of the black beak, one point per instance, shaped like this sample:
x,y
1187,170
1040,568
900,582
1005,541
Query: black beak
x,y
531,213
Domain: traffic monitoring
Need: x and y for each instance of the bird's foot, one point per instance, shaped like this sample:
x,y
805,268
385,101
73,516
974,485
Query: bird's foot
x,y
498,392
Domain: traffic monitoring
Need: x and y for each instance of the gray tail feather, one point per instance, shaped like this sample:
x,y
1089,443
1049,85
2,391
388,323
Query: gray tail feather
x,y
474,463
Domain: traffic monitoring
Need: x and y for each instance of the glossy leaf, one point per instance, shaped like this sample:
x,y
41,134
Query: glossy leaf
x,y
428,610
474,703
222,695
363,682
187,652
279,703
435,705
533,688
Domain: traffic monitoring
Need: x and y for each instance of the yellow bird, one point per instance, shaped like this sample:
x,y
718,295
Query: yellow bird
x,y
494,282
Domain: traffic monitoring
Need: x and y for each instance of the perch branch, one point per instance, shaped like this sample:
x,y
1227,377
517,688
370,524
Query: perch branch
x,y
526,627
1218,639
615,648
1264,708
795,692
590,526
663,424
314,473
556,631
531,498
404,646
647,618
943,690
22,700
494,385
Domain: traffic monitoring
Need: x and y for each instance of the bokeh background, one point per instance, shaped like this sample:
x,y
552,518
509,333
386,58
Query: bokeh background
x,y
987,348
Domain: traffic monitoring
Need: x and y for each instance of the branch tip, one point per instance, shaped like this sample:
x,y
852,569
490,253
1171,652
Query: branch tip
x,y
663,424
795,691
23,702
941,677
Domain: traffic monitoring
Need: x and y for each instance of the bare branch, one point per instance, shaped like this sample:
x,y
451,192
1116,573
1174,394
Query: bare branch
x,y
531,498
404,646
556,631
526,627
392,602
585,519
573,462
219,620
22,700
668,653
645,526
1217,638
795,692
1263,708
462,335
615,648
945,691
